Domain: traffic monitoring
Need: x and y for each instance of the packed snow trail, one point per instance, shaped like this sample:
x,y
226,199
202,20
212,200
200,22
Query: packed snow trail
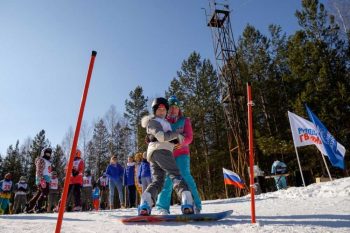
x,y
323,207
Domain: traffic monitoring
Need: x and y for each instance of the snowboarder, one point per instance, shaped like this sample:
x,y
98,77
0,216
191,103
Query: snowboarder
x,y
6,189
182,125
21,191
42,180
159,153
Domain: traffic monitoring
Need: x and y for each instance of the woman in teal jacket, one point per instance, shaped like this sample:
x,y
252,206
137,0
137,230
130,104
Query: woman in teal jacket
x,y
182,125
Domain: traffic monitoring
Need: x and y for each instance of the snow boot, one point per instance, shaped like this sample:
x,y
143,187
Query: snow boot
x,y
144,209
38,209
196,210
187,203
56,209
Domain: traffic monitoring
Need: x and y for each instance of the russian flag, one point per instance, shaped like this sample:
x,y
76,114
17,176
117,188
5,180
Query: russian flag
x,y
232,178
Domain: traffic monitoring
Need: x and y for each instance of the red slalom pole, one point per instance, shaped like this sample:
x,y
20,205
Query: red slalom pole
x,y
74,146
251,150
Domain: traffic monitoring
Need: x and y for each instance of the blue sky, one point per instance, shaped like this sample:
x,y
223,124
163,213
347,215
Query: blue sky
x,y
46,48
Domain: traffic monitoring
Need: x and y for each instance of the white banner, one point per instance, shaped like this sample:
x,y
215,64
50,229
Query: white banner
x,y
304,132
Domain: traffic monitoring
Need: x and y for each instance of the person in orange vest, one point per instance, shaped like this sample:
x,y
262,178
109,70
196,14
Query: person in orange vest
x,y
76,180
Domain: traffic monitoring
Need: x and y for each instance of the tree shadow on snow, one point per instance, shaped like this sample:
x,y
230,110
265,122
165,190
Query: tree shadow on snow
x,y
39,217
324,220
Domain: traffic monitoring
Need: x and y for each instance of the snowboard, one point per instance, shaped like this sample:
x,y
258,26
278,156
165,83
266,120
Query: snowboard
x,y
177,217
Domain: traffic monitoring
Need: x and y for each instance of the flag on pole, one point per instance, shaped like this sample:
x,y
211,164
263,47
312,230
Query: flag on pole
x,y
304,132
334,150
232,178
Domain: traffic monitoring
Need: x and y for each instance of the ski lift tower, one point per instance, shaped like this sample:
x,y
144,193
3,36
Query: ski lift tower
x,y
233,99
220,24
232,90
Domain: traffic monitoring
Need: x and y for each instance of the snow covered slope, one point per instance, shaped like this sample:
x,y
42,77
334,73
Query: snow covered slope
x,y
323,207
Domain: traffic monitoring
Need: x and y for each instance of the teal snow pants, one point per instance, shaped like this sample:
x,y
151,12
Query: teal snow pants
x,y
164,197
281,182
4,205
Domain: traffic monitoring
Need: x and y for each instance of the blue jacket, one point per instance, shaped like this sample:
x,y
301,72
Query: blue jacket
x,y
144,170
115,171
279,167
129,175
96,193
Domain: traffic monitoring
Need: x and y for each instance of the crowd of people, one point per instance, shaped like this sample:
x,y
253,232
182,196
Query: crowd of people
x,y
85,193
151,175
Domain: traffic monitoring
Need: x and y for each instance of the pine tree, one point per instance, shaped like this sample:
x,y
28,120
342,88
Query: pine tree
x,y
58,160
318,61
100,142
91,158
135,109
262,62
12,162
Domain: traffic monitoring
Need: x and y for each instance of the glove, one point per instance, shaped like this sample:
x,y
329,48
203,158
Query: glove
x,y
180,138
75,172
177,146
150,138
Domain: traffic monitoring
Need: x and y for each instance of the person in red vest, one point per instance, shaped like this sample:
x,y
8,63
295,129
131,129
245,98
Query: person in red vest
x,y
76,180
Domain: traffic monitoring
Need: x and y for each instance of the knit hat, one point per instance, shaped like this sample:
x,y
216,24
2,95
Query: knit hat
x,y
159,101
173,101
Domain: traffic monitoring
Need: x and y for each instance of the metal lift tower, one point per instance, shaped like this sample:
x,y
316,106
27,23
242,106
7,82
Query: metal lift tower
x,y
232,89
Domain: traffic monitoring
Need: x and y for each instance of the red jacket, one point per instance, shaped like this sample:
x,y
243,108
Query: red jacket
x,y
78,169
